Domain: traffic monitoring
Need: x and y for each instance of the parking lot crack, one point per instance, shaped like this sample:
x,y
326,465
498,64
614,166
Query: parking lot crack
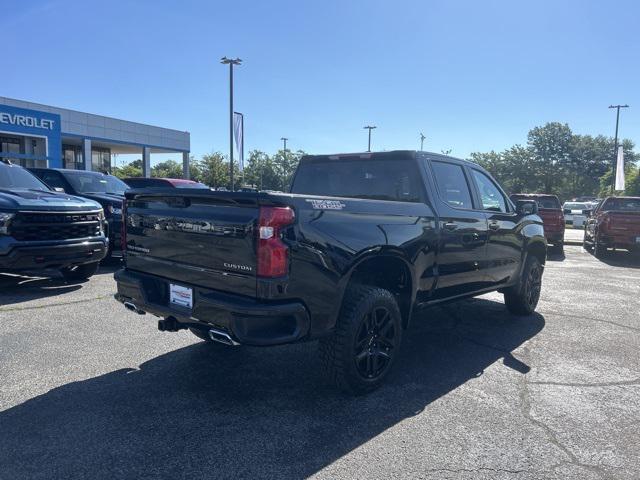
x,y
635,381
475,470
582,317
525,405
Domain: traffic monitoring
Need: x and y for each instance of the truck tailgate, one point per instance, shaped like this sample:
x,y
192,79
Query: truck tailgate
x,y
201,238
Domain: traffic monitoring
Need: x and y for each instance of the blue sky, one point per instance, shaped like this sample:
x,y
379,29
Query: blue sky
x,y
471,75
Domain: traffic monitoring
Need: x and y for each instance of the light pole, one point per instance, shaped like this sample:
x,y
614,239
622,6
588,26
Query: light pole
x,y
231,62
615,145
369,127
422,137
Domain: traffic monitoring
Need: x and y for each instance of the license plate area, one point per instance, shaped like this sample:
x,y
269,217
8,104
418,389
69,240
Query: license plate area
x,y
180,296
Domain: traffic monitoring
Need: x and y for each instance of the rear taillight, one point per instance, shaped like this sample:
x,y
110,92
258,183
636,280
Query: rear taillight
x,y
272,252
123,232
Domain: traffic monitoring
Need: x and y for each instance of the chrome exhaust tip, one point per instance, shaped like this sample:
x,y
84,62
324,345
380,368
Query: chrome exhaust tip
x,y
222,337
133,308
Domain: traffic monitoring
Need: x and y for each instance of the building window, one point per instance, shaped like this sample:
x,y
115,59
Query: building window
x,y
72,157
101,160
9,146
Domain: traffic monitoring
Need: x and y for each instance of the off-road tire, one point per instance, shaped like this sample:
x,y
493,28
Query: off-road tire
x,y
598,250
523,298
358,344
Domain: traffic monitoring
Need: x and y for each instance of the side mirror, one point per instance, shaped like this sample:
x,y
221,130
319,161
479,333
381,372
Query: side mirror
x,y
58,189
526,207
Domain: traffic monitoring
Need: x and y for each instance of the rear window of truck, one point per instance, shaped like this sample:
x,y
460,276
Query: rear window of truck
x,y
550,203
374,179
621,205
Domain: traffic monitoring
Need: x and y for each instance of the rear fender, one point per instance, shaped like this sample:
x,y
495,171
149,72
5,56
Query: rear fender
x,y
376,254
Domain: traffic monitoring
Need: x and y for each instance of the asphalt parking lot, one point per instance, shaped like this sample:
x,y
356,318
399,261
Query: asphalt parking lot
x,y
90,390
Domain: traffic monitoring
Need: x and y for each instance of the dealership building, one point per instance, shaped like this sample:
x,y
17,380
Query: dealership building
x,y
35,135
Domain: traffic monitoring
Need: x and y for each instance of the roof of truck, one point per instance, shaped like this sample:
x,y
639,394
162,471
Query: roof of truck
x,y
390,153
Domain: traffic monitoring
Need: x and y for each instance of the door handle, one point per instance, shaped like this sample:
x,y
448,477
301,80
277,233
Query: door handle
x,y
494,226
450,226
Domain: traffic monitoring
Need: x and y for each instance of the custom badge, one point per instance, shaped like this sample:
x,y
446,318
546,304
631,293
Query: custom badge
x,y
318,204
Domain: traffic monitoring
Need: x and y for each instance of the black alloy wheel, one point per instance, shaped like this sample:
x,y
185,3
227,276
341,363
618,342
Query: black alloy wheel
x,y
375,343
533,285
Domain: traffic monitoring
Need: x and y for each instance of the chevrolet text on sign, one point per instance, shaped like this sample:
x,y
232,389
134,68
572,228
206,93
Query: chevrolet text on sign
x,y
25,121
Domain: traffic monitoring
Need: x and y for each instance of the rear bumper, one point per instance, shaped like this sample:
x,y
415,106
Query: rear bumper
x,y
246,320
23,258
553,236
615,240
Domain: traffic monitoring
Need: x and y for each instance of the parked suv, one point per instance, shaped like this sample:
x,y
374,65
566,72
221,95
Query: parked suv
x,y
43,229
344,258
107,190
615,223
550,210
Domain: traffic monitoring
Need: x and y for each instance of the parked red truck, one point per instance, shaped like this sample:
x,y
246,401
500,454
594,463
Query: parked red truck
x,y
550,210
615,223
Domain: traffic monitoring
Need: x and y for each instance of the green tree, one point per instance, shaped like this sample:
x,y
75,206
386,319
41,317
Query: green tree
x,y
552,146
131,169
260,171
167,169
214,170
557,161
633,184
285,164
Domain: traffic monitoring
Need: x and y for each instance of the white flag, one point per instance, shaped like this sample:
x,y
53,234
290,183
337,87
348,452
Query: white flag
x,y
620,170
238,133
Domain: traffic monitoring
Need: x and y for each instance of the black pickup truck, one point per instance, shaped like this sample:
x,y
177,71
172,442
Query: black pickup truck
x,y
42,229
345,257
107,190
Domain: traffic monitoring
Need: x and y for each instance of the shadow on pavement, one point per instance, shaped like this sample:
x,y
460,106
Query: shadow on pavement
x,y
621,258
554,255
210,411
15,289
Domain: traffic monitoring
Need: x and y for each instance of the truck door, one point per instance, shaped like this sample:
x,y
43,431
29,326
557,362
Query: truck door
x,y
504,246
461,256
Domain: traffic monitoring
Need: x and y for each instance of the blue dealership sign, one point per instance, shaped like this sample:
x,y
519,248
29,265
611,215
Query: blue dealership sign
x,y
37,124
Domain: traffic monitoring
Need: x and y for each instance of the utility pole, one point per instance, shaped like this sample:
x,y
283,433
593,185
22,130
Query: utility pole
x,y
615,145
369,127
231,62
422,137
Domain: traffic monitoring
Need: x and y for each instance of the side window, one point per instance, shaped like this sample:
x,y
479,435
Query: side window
x,y
53,180
452,184
490,196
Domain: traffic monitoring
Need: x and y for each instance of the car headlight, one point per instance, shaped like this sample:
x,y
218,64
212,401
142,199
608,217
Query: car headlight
x,y
5,220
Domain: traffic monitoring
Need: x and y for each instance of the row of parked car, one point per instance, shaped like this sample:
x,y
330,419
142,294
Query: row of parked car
x,y
68,220
613,222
